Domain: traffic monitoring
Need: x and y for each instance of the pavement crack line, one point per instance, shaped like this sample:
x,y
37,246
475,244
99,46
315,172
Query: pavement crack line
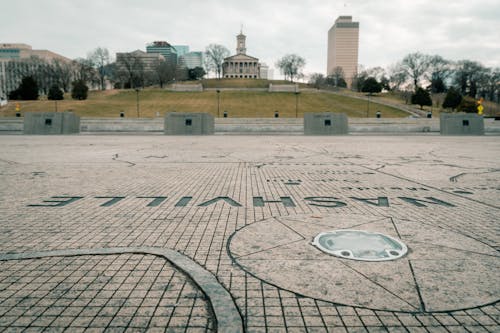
x,y
9,162
430,186
115,158
381,286
153,156
417,287
227,316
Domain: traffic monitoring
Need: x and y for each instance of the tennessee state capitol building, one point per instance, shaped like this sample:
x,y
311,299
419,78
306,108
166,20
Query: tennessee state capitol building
x,y
241,65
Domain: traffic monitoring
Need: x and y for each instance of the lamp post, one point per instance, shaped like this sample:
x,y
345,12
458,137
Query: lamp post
x,y
297,104
137,94
218,103
368,107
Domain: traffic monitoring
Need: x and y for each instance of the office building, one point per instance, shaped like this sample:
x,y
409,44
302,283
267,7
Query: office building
x,y
181,49
191,60
168,51
264,71
137,68
14,60
343,44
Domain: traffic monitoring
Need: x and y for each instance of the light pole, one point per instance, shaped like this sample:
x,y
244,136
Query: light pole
x,y
368,108
218,103
137,94
297,104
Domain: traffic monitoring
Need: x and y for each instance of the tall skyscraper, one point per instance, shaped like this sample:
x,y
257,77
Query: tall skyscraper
x,y
343,44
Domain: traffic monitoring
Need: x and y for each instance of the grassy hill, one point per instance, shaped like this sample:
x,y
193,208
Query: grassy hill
x,y
236,103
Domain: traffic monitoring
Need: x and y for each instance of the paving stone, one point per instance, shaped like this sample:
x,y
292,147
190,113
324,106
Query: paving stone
x,y
246,209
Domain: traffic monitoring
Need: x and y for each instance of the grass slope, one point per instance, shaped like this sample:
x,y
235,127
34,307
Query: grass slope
x,y
237,103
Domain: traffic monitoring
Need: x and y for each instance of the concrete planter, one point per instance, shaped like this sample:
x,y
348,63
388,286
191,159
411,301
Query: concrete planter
x,y
461,124
189,124
325,123
51,123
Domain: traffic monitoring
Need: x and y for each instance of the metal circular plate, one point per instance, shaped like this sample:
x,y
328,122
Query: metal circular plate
x,y
360,245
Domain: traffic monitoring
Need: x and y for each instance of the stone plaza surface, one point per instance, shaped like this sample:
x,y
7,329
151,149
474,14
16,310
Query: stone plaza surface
x,y
202,234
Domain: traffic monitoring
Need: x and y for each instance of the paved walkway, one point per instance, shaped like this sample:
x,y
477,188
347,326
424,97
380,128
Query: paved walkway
x,y
205,234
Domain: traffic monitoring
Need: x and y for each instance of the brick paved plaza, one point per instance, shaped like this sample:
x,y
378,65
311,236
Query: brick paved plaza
x,y
202,234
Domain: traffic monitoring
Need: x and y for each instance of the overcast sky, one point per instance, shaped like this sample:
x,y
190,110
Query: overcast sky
x,y
389,29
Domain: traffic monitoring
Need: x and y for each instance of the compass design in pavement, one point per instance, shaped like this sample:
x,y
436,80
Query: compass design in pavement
x,y
442,270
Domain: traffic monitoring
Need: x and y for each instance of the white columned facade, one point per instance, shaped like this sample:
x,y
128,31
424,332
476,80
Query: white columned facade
x,y
241,65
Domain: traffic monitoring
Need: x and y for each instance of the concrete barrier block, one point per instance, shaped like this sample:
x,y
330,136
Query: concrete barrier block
x,y
177,123
187,87
461,124
325,123
284,88
51,123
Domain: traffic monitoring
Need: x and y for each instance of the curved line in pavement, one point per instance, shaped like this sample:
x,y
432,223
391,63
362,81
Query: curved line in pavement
x,y
228,319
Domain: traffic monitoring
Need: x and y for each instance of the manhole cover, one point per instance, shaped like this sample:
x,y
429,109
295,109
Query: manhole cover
x,y
360,245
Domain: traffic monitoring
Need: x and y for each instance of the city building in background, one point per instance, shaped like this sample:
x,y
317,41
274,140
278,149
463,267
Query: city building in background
x,y
148,60
264,71
14,60
168,51
181,49
241,65
137,68
191,60
343,44
25,51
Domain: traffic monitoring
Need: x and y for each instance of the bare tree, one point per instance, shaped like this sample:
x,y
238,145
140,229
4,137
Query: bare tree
x,y
317,80
440,71
291,66
337,78
415,66
207,65
63,74
84,71
469,76
34,67
491,89
215,55
359,78
164,71
100,59
130,69
397,79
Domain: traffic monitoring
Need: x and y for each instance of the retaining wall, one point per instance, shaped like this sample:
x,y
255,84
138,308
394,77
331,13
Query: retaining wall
x,y
283,88
187,87
288,126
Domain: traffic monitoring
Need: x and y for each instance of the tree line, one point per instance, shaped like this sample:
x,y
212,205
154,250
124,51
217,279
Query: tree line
x,y
415,76
419,75
35,76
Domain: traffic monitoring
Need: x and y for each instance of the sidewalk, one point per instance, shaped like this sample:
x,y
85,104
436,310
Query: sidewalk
x,y
205,234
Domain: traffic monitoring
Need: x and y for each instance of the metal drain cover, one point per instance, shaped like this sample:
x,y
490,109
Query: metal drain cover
x,y
360,245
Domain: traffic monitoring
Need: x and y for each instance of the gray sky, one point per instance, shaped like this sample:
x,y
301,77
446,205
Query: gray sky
x,y
389,29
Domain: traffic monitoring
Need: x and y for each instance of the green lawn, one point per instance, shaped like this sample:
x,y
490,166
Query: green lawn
x,y
236,103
